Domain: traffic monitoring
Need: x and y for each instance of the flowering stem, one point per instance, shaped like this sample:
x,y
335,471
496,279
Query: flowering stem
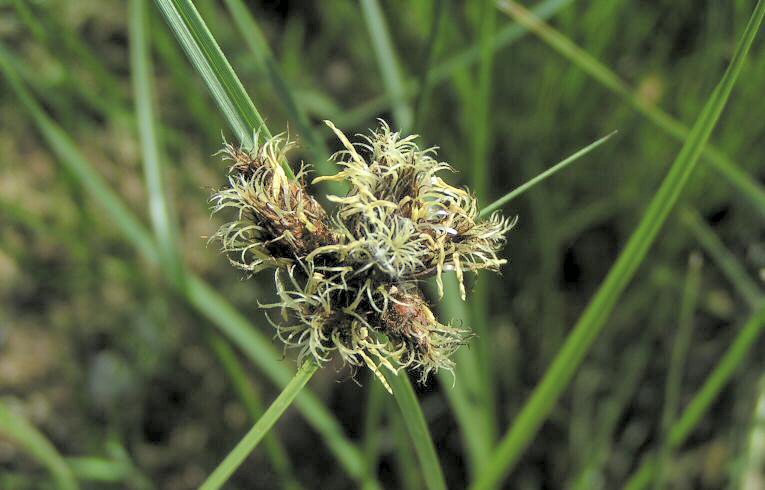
x,y
418,430
248,443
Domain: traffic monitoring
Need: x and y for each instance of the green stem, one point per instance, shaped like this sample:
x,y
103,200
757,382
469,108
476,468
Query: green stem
x,y
677,362
36,445
254,405
418,430
248,443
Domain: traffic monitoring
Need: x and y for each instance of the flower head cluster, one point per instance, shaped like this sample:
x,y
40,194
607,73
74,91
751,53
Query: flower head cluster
x,y
348,281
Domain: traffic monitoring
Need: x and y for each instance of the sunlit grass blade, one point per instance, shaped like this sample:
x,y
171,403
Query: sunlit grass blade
x,y
29,439
248,443
199,294
386,58
610,80
723,258
592,320
415,422
702,401
143,95
543,176
207,57
677,362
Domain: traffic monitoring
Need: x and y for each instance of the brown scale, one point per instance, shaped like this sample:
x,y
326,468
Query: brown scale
x,y
305,240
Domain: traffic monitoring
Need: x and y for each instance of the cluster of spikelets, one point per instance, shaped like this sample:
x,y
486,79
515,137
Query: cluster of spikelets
x,y
348,281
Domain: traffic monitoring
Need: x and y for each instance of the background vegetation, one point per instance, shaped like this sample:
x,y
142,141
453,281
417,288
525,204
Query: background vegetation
x,y
110,353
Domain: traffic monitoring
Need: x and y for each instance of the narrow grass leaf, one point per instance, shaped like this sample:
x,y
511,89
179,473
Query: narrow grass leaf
x,y
256,42
423,97
478,131
248,443
252,403
99,469
592,320
542,177
20,431
373,416
207,57
143,95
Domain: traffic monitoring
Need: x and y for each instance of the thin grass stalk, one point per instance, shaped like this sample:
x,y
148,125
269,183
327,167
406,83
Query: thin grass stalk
x,y
593,319
719,162
386,59
34,443
143,94
677,362
206,56
486,211
199,294
254,406
373,417
172,57
408,474
423,96
415,422
723,258
701,402
480,135
236,457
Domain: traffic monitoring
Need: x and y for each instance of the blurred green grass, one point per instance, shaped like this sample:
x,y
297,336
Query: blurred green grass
x,y
91,352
